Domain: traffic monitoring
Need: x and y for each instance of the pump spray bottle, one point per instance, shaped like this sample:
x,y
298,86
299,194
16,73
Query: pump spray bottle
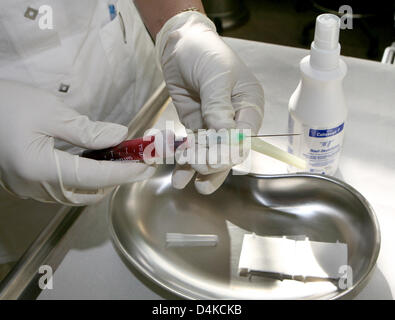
x,y
317,108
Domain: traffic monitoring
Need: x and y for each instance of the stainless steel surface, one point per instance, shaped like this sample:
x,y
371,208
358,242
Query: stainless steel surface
x,y
22,281
149,113
320,207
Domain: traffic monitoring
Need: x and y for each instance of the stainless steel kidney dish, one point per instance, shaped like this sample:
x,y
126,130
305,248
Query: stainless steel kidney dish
x,y
319,207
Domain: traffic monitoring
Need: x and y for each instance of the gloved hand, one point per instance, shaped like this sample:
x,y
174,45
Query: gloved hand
x,y
210,87
30,166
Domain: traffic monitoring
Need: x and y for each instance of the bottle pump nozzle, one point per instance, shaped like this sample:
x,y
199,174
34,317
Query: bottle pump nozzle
x,y
325,49
326,34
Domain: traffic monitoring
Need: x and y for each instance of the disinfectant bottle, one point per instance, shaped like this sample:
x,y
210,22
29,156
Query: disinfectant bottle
x,y
317,108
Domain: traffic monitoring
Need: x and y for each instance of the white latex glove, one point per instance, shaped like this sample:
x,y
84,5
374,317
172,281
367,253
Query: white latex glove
x,y
210,87
30,167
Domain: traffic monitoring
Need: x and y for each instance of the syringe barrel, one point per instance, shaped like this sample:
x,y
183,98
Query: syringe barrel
x,y
128,150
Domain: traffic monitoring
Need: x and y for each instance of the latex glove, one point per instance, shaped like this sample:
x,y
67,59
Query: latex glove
x,y
30,166
210,87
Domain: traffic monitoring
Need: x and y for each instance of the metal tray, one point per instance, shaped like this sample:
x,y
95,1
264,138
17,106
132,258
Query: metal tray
x,y
320,207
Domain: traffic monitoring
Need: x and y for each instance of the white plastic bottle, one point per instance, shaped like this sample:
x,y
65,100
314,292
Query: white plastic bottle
x,y
317,108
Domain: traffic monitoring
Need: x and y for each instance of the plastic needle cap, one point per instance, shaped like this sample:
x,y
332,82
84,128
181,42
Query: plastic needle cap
x,y
326,34
270,150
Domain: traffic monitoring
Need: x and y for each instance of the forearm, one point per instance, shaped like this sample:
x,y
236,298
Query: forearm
x,y
155,13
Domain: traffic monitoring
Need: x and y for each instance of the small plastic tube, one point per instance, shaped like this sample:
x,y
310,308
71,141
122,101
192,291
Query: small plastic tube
x,y
191,240
277,153
270,150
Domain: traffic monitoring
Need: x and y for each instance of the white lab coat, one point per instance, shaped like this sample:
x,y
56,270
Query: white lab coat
x,y
100,67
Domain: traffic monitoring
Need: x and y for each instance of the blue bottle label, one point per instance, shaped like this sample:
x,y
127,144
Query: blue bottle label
x,y
320,147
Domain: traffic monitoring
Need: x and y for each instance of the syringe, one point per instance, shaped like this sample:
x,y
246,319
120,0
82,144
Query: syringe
x,y
134,150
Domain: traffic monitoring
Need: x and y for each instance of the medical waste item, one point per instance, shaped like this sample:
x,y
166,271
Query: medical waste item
x,y
284,258
134,149
191,240
317,108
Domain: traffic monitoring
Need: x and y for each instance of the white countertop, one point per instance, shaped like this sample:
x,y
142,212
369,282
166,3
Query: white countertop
x,y
92,269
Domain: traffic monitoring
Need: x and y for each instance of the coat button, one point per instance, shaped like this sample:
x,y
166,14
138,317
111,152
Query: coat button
x,y
64,87
31,13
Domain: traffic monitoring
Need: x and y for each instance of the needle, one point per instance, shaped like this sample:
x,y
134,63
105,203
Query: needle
x,y
274,135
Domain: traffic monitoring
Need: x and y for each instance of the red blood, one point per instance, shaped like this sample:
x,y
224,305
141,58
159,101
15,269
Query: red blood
x,y
127,150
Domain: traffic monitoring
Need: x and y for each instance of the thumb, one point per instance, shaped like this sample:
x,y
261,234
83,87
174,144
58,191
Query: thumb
x,y
217,109
249,118
248,101
70,126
